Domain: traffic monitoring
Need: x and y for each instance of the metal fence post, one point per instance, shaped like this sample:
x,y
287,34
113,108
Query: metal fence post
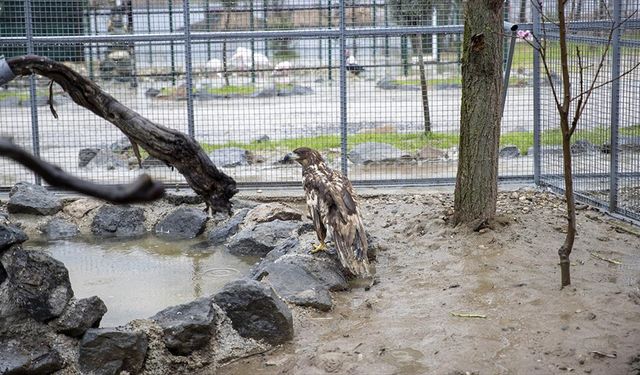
x,y
343,91
173,52
188,67
35,132
615,106
537,29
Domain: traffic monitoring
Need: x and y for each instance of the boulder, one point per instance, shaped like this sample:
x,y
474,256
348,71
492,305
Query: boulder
x,y
79,316
220,233
272,211
26,198
28,355
430,153
625,143
582,146
373,152
255,311
121,146
181,223
108,351
187,327
181,198
80,207
150,162
59,228
229,157
509,152
118,221
327,271
40,284
10,235
106,159
261,238
295,285
85,155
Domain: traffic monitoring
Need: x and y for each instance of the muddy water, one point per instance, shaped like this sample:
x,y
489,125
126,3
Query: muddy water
x,y
138,278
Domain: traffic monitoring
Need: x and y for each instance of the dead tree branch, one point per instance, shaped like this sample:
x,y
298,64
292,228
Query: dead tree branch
x,y
171,146
141,190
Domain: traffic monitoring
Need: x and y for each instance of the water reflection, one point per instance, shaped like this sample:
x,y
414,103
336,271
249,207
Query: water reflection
x,y
137,278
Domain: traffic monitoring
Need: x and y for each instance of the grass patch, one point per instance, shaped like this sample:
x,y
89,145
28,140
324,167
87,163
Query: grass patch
x,y
231,90
21,95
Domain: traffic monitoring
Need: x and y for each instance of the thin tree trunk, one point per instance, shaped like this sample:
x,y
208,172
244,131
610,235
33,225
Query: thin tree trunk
x,y
171,146
477,179
565,250
225,69
423,86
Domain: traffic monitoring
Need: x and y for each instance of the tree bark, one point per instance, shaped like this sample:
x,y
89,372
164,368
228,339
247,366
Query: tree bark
x,y
423,84
171,146
477,179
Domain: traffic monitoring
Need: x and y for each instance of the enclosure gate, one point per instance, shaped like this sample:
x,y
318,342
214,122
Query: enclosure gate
x,y
253,79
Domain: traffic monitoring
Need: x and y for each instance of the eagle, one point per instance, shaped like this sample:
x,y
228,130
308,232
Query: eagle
x,y
332,206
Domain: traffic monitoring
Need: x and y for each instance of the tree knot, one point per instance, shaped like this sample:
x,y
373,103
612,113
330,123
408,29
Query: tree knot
x,y
477,42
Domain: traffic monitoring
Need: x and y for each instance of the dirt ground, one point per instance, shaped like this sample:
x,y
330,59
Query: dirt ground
x,y
429,270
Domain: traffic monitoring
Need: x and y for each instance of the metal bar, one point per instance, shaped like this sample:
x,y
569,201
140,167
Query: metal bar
x,y
35,132
329,44
615,107
343,91
173,52
207,20
594,40
188,67
149,31
253,43
131,46
507,68
535,14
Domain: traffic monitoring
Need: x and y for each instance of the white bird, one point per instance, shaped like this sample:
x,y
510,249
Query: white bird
x,y
282,69
213,66
241,60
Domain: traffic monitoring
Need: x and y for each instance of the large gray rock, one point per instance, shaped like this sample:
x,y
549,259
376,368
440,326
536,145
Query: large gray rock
x,y
326,270
220,233
187,327
509,152
582,146
625,143
10,235
295,285
255,311
59,228
259,239
29,355
373,152
107,351
272,211
120,146
230,157
85,155
26,198
106,159
118,221
182,223
3,274
79,316
40,284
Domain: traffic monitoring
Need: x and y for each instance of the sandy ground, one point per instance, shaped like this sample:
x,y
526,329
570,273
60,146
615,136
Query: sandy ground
x,y
429,270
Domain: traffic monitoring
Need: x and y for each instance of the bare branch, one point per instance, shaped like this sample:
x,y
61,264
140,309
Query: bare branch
x,y
581,67
141,190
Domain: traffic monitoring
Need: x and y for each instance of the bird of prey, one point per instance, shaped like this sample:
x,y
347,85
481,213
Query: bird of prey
x,y
332,205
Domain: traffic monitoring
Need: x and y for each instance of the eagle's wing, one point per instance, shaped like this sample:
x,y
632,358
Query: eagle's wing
x,y
346,225
313,204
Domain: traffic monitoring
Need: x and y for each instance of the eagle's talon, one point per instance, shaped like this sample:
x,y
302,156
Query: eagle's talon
x,y
320,247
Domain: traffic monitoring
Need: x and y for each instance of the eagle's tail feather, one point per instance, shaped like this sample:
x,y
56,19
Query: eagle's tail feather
x,y
353,255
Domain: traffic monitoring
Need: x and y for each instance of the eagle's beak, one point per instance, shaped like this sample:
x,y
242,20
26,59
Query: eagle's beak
x,y
290,157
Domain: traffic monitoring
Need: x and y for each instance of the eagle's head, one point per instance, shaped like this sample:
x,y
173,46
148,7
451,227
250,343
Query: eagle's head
x,y
305,156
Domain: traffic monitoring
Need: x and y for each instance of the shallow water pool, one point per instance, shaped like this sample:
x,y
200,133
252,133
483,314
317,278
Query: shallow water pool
x,y
137,278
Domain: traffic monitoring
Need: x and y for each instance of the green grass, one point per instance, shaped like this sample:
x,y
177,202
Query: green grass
x,y
21,95
231,90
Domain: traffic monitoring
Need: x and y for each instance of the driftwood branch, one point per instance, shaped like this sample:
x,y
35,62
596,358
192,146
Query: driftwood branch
x,y
141,190
171,146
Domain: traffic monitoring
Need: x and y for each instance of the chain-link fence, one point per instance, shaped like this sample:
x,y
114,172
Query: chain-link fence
x,y
373,84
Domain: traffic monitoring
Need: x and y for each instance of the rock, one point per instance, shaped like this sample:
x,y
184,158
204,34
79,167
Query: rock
x,y
230,157
260,239
373,152
40,284
118,221
3,274
430,153
583,146
295,285
219,234
85,155
388,84
107,159
509,152
326,271
79,316
59,228
10,235
28,355
80,207
255,311
262,139
187,327
152,92
178,199
109,351
150,162
26,198
182,223
272,211
625,143
121,146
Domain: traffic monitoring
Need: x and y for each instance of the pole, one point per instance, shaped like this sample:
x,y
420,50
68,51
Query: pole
x,y
615,106
188,67
35,132
343,91
537,29
173,52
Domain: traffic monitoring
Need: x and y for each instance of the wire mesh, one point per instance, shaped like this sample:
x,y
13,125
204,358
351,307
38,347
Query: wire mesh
x,y
378,95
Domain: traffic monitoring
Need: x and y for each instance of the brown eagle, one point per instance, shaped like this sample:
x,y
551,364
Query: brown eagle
x,y
332,205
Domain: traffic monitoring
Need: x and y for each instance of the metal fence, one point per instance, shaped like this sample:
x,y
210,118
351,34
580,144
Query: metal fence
x,y
253,79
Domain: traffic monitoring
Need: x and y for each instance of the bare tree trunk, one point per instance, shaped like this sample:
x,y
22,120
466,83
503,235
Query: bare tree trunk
x,y
225,68
477,179
171,146
423,86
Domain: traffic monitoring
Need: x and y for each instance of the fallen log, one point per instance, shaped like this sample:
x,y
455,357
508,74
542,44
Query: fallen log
x,y
171,146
